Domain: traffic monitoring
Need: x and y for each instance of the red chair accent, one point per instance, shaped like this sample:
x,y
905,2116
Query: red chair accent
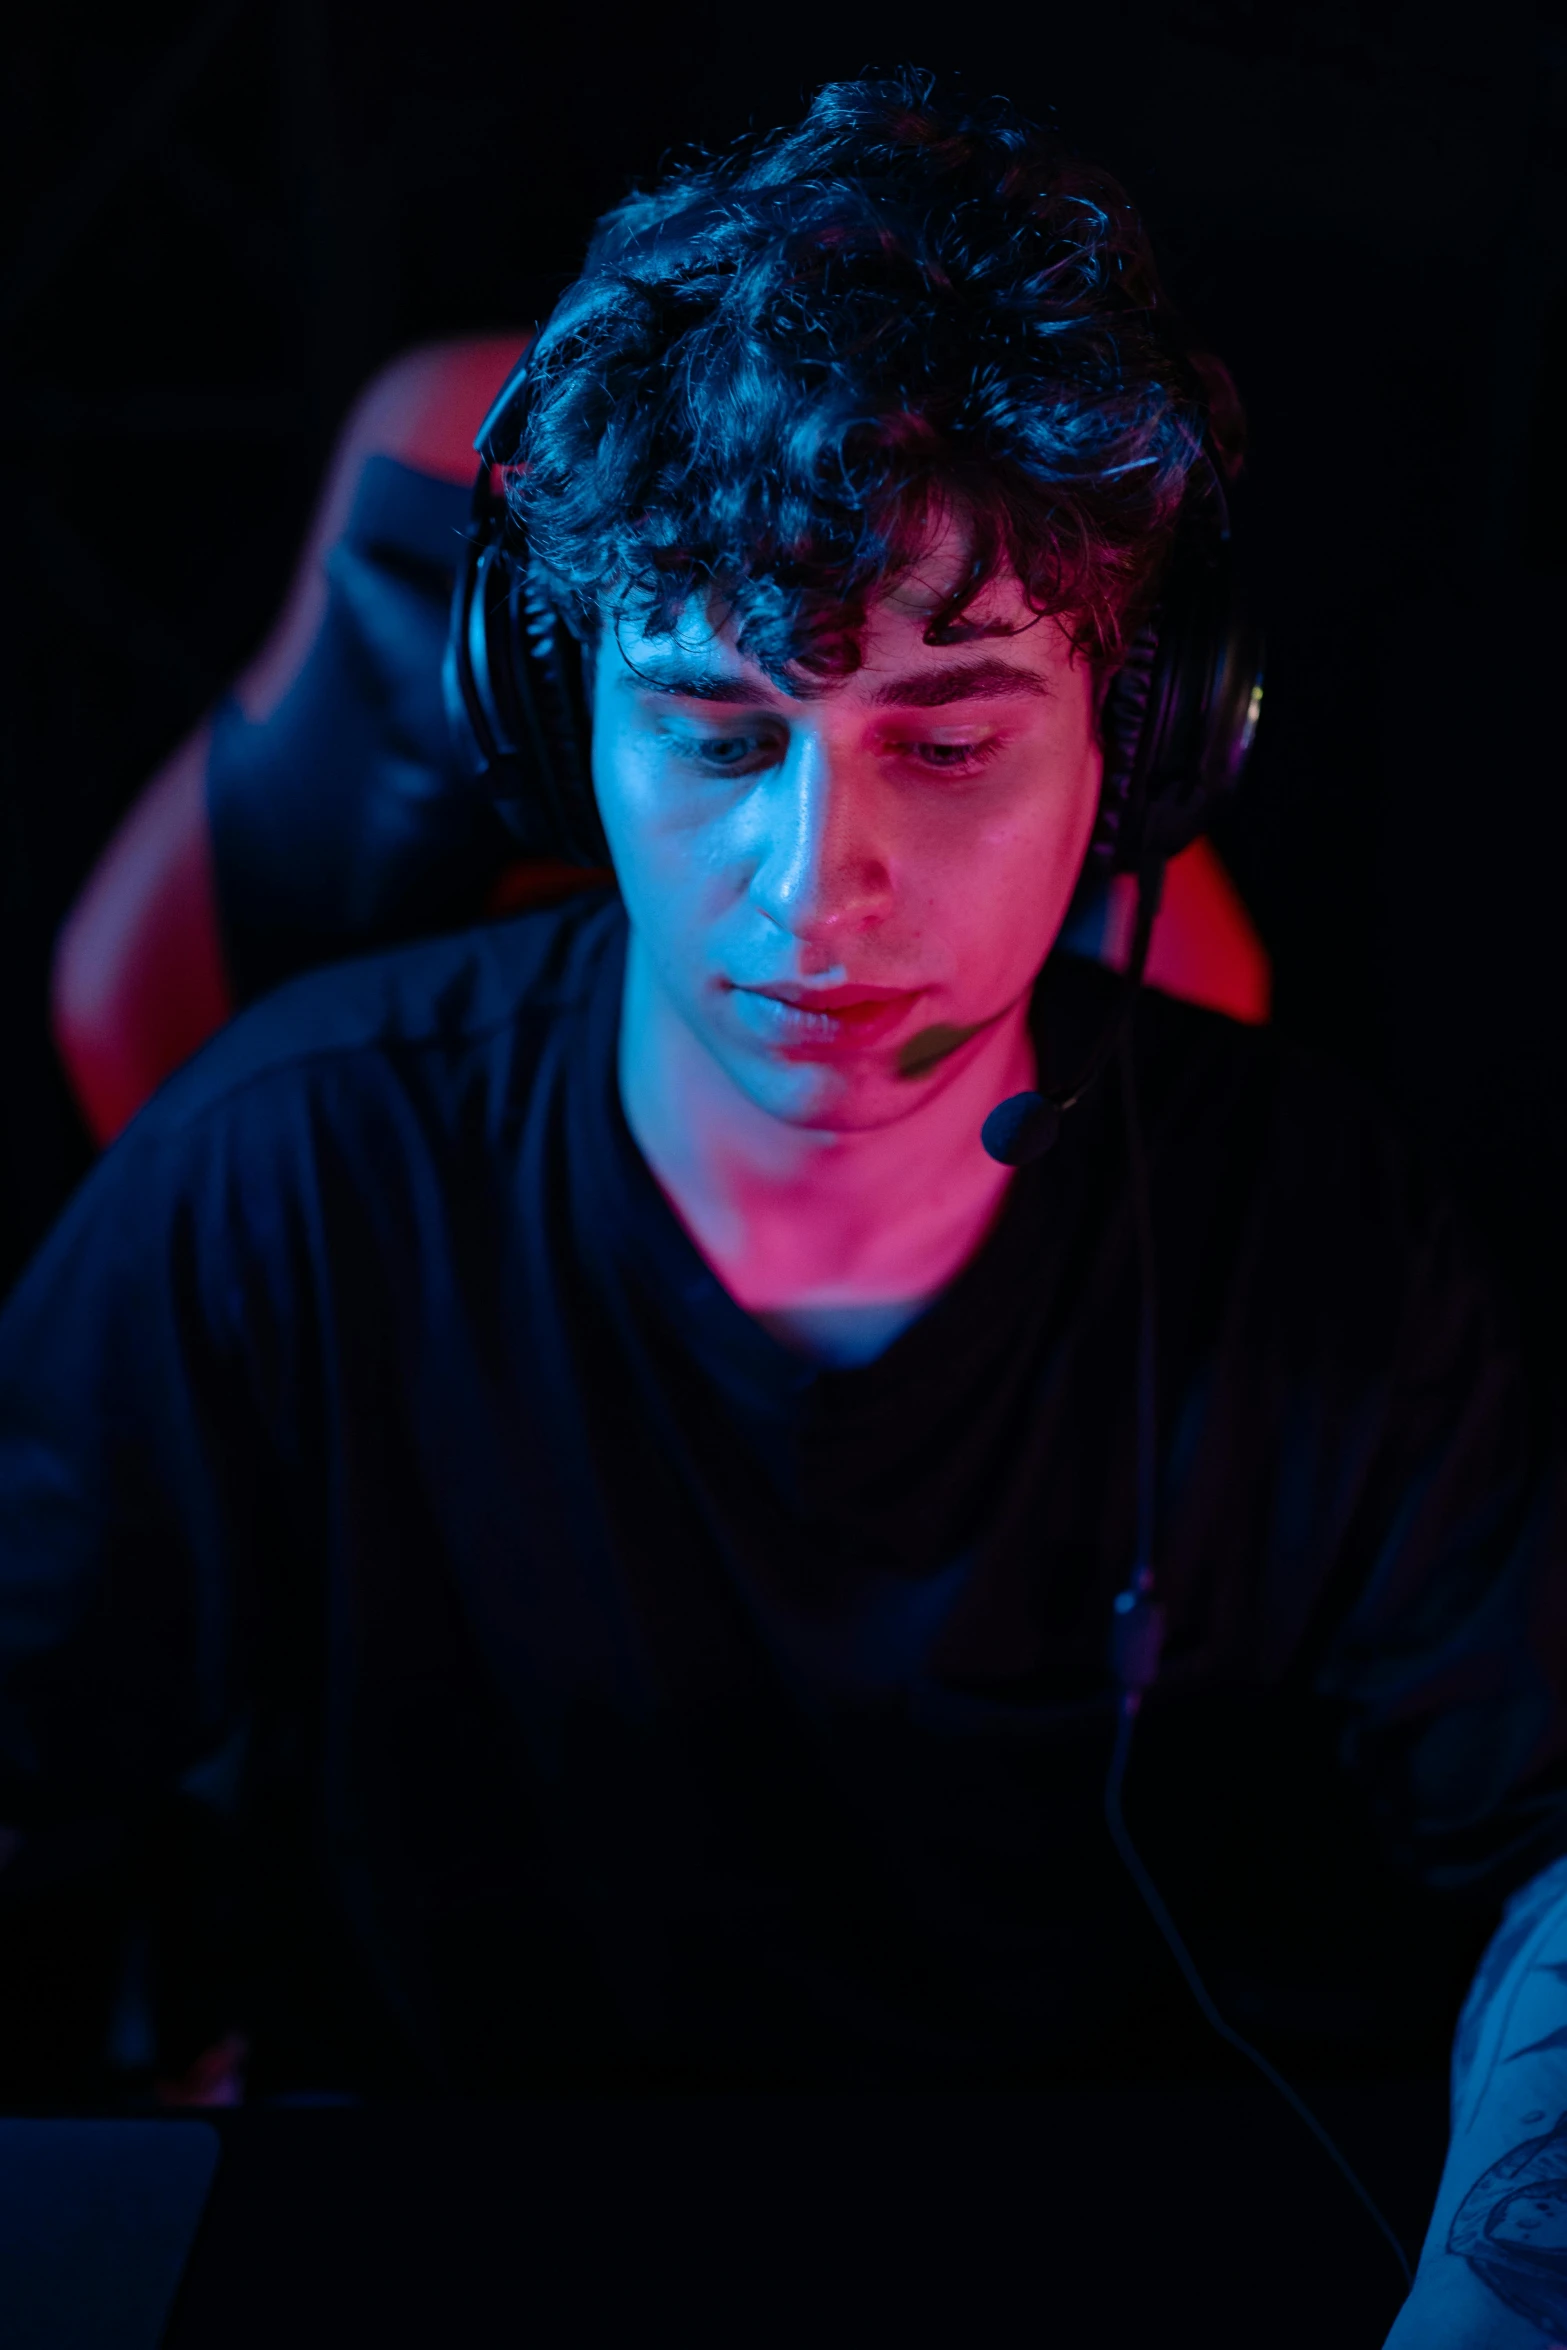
x,y
1204,946
138,980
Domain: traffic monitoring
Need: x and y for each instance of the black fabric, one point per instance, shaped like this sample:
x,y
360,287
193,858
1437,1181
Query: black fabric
x,y
342,821
583,1687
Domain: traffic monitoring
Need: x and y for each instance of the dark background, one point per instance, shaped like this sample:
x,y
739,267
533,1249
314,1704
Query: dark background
x,y
228,215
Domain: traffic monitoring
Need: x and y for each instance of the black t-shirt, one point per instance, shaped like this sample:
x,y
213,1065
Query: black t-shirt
x,y
591,1689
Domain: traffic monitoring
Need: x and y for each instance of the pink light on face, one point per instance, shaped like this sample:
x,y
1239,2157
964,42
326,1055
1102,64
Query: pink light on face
x,y
838,905
912,833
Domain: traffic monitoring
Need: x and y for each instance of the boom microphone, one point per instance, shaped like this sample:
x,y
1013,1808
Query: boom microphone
x,y
1021,1128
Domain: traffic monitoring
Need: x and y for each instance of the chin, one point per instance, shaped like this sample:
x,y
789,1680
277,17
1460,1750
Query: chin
x,y
833,1101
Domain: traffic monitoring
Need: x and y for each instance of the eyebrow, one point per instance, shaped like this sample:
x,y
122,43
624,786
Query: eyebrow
x,y
963,681
922,689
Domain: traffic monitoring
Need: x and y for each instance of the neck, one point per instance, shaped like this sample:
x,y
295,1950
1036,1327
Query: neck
x,y
805,1227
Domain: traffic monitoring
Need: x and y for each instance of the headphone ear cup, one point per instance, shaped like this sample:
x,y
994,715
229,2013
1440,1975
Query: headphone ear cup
x,y
461,668
1234,704
515,698
1123,725
549,674
1180,713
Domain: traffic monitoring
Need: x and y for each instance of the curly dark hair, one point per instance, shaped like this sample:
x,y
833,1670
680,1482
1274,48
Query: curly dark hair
x,y
786,366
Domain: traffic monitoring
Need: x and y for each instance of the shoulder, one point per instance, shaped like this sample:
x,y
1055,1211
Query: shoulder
x,y
1197,1071
495,991
328,1115
1267,1157
1290,1171
1210,1084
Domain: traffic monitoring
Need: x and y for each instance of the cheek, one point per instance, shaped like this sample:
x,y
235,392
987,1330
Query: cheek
x,y
999,916
619,786
668,861
634,823
999,894
1056,832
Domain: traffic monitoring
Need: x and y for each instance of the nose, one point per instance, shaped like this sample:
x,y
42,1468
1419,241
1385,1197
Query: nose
x,y
823,869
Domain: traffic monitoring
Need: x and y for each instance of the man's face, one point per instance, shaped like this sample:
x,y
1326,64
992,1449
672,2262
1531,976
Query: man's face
x,y
835,894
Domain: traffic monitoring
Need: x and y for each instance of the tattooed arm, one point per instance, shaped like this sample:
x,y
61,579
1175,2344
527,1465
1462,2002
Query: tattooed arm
x,y
1493,2272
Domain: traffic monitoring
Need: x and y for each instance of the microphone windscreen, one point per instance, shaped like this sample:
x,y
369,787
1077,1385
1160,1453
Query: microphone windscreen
x,y
1021,1128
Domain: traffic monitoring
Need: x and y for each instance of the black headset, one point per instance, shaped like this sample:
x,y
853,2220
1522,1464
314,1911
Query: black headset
x,y
515,695
1178,719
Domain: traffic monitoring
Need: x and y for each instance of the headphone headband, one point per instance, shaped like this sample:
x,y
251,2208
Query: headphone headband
x,y
491,444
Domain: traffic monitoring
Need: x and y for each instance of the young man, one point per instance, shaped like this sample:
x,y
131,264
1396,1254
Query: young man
x,y
559,1509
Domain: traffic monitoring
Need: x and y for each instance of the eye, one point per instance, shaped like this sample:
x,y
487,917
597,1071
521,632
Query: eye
x,y
947,754
722,754
726,750
955,758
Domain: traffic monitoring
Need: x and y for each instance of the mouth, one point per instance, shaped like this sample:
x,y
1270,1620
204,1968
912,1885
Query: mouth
x,y
811,1020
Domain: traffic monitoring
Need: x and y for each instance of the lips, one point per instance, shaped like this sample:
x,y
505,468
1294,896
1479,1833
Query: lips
x,y
813,1019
